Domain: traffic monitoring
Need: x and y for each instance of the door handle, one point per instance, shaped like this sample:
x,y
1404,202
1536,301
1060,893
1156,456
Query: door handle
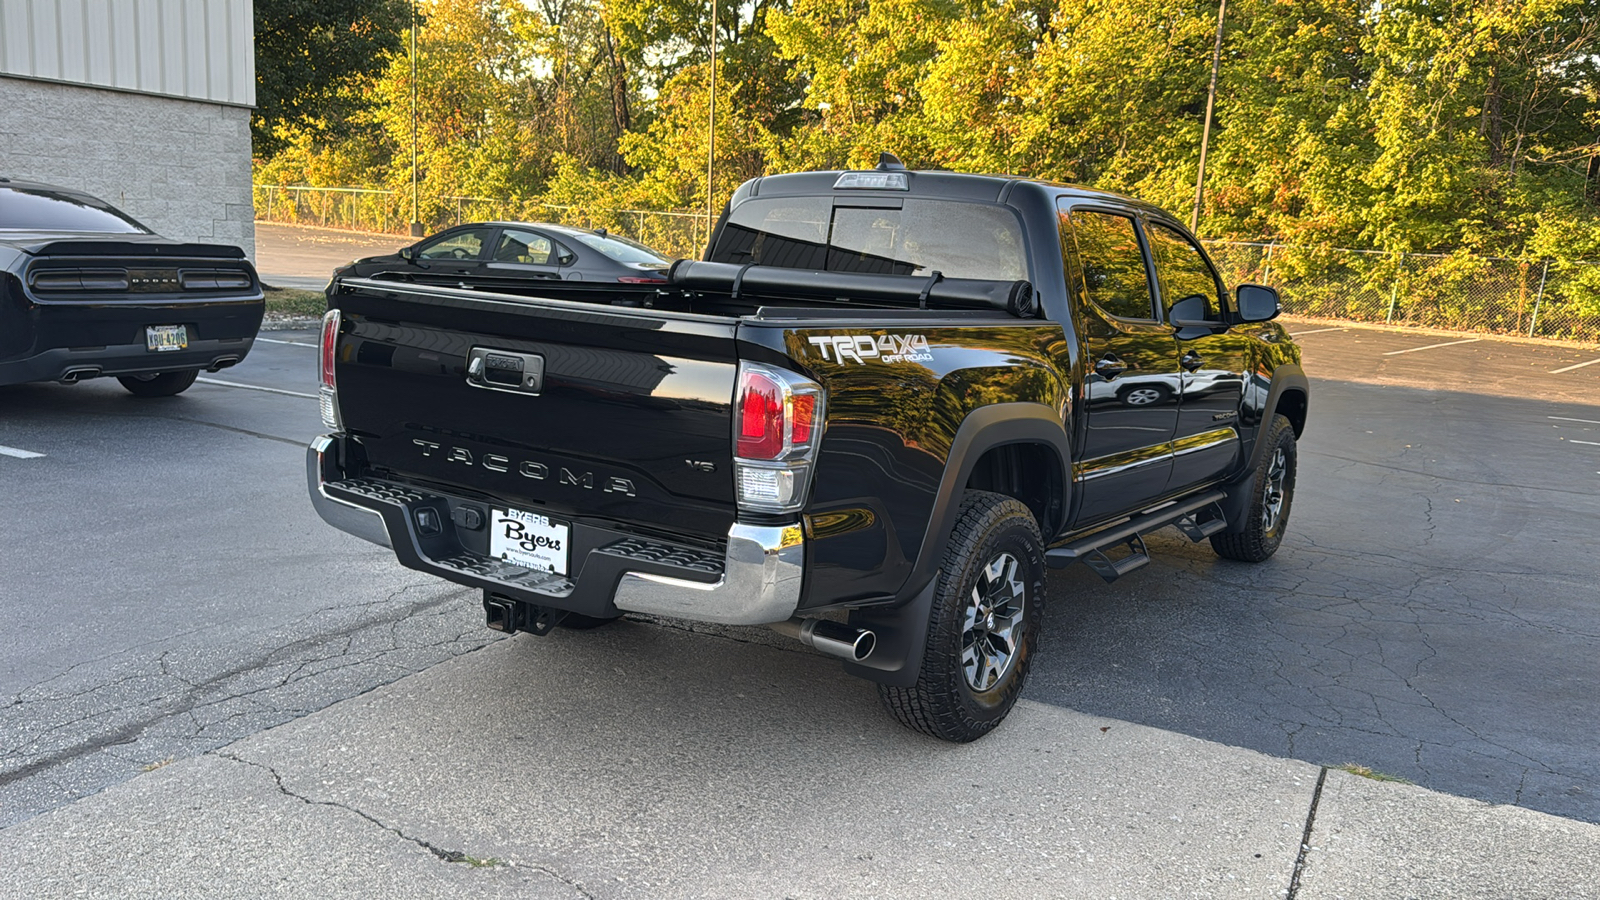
x,y
1190,361
505,370
1109,367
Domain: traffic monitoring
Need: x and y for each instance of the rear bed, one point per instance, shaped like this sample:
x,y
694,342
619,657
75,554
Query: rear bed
x,y
557,456
598,453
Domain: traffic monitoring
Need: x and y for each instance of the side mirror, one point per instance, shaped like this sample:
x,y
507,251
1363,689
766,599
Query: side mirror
x,y
409,254
1189,313
566,259
1258,303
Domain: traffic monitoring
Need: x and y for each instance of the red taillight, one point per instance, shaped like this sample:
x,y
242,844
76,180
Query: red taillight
x,y
330,340
778,416
760,416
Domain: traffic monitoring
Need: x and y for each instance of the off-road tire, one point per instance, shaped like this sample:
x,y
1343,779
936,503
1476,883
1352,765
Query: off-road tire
x,y
164,384
1271,495
943,703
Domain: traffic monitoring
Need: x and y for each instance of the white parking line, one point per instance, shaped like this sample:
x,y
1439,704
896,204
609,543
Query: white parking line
x,y
1578,366
1314,331
255,387
19,454
1565,419
1590,443
295,343
1433,346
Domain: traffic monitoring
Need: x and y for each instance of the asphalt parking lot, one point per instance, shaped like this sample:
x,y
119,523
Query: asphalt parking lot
x,y
1431,616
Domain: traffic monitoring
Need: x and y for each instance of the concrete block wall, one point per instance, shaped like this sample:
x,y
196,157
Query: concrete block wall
x,y
182,167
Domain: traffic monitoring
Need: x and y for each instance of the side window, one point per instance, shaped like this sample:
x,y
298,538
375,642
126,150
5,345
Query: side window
x,y
523,247
459,245
1182,269
1114,276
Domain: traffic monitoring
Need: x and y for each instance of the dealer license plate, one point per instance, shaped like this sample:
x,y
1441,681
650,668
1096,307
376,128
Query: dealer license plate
x,y
160,338
530,540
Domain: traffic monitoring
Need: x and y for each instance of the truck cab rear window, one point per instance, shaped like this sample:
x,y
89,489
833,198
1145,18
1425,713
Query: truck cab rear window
x,y
961,240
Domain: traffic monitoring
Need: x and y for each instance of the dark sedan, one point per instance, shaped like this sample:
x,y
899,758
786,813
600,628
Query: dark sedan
x,y
512,256
86,291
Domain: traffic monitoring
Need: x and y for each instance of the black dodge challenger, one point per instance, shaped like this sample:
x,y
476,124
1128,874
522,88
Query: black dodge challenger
x,y
85,291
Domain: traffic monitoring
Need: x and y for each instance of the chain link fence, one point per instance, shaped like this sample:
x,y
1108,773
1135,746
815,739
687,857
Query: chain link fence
x,y
1458,292
673,232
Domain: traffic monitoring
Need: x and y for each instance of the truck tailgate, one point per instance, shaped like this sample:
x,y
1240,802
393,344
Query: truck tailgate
x,y
582,411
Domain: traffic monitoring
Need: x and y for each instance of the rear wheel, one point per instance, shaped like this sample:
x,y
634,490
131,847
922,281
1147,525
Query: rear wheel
x,y
1271,494
161,384
983,627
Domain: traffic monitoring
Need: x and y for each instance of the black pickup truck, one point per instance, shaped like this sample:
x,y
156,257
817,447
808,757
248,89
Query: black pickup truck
x,y
872,417
87,291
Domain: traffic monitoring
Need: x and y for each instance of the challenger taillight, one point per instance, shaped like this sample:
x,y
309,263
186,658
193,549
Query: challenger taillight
x,y
777,424
79,280
328,394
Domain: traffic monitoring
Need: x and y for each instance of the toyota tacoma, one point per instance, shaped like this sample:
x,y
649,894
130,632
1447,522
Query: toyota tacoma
x,y
872,417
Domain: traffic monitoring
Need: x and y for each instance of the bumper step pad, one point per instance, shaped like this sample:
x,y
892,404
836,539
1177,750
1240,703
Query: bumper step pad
x,y
641,550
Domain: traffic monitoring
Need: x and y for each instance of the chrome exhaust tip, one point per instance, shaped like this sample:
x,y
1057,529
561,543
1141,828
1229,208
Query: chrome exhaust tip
x,y
79,373
834,639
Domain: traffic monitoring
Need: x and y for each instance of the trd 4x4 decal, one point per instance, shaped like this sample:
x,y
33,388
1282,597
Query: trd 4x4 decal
x,y
858,348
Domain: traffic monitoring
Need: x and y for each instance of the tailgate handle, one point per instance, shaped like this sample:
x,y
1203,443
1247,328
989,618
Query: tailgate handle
x,y
505,370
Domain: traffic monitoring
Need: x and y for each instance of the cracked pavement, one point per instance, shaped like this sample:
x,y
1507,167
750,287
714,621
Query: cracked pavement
x,y
169,590
639,761
177,632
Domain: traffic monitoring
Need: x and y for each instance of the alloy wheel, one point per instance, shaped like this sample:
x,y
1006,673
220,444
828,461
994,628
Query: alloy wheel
x,y
1272,493
992,627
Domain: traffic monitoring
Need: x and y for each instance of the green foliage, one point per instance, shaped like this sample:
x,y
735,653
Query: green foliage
x,y
310,55
1456,127
295,303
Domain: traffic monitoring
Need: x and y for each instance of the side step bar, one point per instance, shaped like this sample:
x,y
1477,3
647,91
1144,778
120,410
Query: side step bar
x,y
1197,517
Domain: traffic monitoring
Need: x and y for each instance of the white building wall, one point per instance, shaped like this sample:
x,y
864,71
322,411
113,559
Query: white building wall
x,y
144,103
179,166
198,49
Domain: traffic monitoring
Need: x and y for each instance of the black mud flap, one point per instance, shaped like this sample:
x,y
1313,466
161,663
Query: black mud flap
x,y
902,635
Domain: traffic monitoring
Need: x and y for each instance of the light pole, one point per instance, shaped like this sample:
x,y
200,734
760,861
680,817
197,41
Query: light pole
x,y
711,126
416,220
1205,135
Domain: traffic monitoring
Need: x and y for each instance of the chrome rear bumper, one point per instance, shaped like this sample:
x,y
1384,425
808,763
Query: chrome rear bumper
x,y
757,580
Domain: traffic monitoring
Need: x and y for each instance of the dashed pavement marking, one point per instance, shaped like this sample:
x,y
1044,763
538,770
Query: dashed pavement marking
x,y
1435,346
19,454
1590,443
1315,331
256,387
1566,419
292,343
1578,366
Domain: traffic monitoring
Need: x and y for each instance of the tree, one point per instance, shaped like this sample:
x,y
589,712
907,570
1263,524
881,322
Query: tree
x,y
308,55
